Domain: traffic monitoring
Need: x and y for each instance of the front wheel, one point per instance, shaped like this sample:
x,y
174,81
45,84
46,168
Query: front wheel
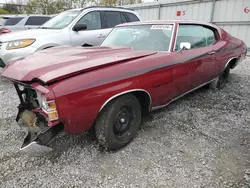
x,y
118,122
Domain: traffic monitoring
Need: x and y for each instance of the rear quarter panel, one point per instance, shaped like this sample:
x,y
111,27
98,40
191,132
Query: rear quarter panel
x,y
228,48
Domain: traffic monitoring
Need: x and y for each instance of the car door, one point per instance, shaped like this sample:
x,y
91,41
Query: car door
x,y
195,65
93,35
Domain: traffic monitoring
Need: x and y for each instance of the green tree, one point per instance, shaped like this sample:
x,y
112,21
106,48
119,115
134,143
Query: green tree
x,y
109,2
12,8
79,3
2,11
46,6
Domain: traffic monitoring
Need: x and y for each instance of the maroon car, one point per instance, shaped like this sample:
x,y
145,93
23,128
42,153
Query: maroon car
x,y
139,67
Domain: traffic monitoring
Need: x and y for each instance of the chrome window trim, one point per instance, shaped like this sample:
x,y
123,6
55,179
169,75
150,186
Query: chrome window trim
x,y
171,40
176,37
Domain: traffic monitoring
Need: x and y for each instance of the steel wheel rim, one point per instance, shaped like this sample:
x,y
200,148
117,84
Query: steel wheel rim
x,y
123,121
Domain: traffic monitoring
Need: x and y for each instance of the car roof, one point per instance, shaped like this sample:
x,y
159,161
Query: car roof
x,y
168,22
100,7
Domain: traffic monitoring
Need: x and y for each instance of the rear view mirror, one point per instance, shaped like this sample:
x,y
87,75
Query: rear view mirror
x,y
80,27
185,46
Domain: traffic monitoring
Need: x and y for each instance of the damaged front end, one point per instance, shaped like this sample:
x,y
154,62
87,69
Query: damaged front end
x,y
33,119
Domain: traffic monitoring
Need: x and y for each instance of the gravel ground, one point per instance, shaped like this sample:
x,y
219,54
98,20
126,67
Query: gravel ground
x,y
201,140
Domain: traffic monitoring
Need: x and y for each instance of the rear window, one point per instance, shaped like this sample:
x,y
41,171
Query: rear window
x,y
37,20
132,17
13,21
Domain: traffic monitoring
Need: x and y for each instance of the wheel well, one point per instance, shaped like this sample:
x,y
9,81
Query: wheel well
x,y
233,63
48,47
144,99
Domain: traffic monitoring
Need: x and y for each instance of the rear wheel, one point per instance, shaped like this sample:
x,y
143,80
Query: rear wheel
x,y
221,81
118,122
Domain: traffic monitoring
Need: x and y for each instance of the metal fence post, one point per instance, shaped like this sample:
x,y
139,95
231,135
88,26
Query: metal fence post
x,y
159,11
212,12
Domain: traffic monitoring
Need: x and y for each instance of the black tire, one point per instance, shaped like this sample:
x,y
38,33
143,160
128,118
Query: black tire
x,y
118,122
222,80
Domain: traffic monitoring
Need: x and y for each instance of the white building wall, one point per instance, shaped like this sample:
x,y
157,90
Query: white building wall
x,y
231,15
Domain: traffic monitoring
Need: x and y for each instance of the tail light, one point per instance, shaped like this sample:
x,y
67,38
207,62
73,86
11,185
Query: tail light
x,y
5,30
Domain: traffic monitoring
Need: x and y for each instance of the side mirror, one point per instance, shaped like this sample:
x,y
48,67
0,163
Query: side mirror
x,y
185,46
80,27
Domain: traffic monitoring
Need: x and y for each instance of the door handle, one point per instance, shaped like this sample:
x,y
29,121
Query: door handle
x,y
101,36
211,53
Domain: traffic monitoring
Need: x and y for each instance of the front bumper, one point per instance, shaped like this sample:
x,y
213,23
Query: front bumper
x,y
7,55
37,134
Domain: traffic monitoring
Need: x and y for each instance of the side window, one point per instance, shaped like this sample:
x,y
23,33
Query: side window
x,y
36,20
124,20
13,21
92,20
113,18
192,34
210,36
132,17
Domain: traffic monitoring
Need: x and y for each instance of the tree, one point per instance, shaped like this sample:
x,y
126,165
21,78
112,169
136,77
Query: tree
x,y
46,6
2,11
118,2
79,3
109,2
12,8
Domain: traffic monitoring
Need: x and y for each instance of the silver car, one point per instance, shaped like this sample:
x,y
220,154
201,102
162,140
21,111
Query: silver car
x,y
22,22
86,26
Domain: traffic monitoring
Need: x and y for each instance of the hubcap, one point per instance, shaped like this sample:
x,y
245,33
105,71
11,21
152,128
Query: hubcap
x,y
123,121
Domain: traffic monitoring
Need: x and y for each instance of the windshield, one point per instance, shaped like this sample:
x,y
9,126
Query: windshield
x,y
141,37
61,20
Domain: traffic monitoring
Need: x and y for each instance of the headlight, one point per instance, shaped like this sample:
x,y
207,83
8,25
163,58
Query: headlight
x,y
19,44
49,107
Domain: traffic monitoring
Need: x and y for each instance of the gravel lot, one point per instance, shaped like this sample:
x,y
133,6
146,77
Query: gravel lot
x,y
201,140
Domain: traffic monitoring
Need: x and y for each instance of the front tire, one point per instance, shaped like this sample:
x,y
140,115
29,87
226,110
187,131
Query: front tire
x,y
118,122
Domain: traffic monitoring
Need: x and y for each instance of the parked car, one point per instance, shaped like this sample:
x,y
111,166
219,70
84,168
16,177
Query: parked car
x,y
67,28
138,68
20,22
3,20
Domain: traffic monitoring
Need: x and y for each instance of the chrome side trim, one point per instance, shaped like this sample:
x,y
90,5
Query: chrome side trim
x,y
161,106
129,91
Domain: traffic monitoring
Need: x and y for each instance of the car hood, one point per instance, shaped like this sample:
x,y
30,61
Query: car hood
x,y
32,33
61,62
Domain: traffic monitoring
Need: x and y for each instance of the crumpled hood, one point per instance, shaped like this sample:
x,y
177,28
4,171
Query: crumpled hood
x,y
60,62
28,34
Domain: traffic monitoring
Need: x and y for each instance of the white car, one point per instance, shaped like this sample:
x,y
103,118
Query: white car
x,y
76,27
